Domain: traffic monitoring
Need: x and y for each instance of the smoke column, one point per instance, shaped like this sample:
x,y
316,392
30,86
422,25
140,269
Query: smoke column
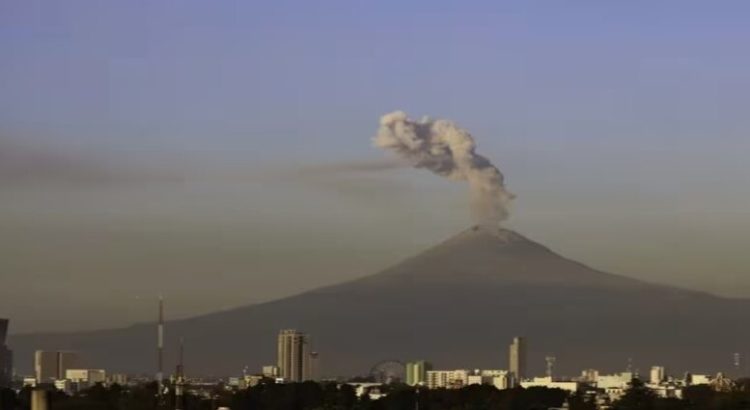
x,y
449,151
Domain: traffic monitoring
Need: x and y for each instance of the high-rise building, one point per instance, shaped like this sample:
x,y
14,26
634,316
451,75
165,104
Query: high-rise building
x,y
416,372
293,355
657,375
50,366
160,345
517,358
6,356
313,368
39,399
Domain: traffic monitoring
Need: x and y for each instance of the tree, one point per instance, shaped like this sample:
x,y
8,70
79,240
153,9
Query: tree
x,y
637,397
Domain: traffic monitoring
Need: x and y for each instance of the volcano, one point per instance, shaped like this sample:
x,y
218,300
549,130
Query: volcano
x,y
458,304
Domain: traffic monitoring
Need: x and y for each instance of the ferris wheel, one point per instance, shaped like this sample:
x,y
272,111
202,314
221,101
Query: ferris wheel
x,y
388,371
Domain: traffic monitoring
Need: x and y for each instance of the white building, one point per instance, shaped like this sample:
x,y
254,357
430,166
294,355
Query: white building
x,y
517,358
89,376
699,379
474,379
609,381
370,389
64,386
447,379
589,375
270,371
293,355
667,390
657,375
501,379
549,383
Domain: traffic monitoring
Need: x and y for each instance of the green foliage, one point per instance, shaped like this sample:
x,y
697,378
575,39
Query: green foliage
x,y
331,396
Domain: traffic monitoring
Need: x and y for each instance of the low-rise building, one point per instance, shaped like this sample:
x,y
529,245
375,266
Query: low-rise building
x,y
548,382
270,371
447,379
86,376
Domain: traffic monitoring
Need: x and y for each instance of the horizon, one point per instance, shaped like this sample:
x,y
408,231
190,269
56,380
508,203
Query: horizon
x,y
472,227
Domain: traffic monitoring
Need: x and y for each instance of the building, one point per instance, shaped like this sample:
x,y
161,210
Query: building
x,y
86,376
293,355
501,379
589,375
614,385
39,400
50,366
253,380
117,378
474,379
313,368
657,375
517,358
570,386
698,379
6,356
416,372
270,371
447,379
619,380
372,390
65,386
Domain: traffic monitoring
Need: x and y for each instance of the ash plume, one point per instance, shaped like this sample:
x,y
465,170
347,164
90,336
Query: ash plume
x,y
449,151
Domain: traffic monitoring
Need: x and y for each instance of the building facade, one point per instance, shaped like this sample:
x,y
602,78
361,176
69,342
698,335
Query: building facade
x,y
447,379
6,356
657,374
89,376
416,372
517,358
52,365
570,386
293,356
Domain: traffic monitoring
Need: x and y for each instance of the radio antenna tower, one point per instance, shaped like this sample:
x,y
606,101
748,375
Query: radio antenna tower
x,y
180,379
160,345
551,360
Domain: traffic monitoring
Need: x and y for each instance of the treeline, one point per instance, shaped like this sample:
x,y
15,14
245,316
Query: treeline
x,y
329,396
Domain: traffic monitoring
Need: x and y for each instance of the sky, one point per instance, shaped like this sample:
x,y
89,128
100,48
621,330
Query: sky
x,y
220,153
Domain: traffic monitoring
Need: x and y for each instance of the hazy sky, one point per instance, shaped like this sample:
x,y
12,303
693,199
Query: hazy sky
x,y
219,152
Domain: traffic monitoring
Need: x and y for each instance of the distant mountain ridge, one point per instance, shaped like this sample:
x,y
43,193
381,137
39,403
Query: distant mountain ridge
x,y
457,304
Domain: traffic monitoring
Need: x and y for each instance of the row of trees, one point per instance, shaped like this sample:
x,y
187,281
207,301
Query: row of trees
x,y
330,396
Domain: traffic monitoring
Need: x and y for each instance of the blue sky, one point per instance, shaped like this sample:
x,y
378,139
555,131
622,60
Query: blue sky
x,y
620,125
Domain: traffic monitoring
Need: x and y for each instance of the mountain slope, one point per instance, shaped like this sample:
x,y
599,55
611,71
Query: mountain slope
x,y
457,304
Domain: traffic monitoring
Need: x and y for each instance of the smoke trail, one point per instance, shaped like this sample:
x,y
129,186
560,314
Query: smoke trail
x,y
447,150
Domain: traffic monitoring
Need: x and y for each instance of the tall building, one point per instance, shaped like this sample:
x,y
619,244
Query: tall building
x,y
6,356
39,399
313,368
517,358
293,355
657,375
160,345
416,372
50,366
